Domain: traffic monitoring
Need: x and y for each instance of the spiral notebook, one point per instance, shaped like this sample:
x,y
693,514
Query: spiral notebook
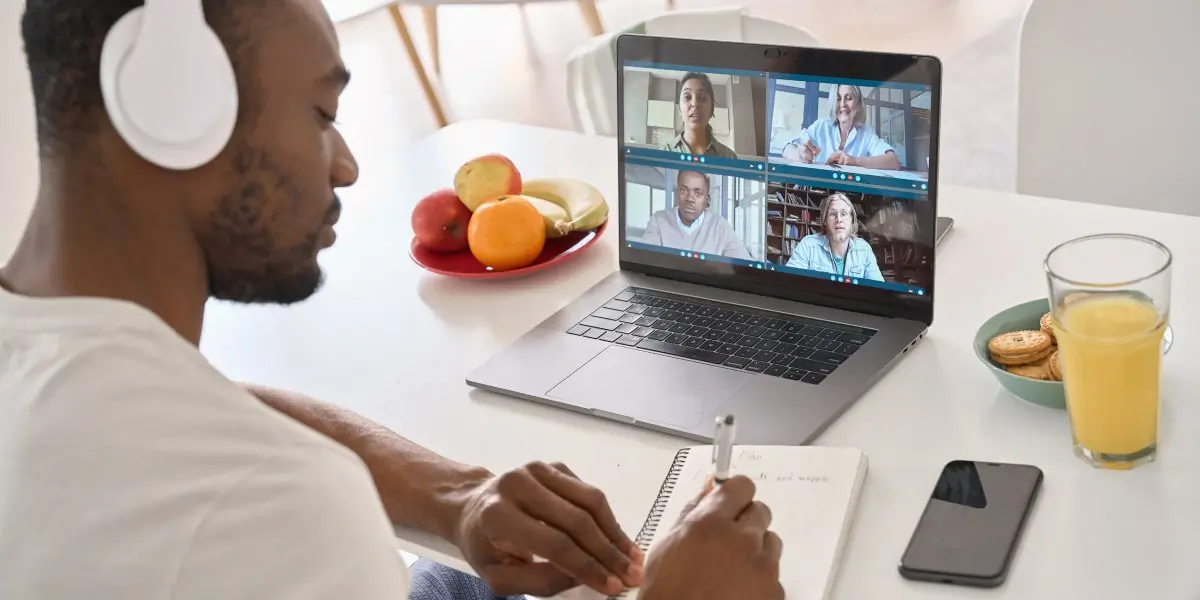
x,y
812,491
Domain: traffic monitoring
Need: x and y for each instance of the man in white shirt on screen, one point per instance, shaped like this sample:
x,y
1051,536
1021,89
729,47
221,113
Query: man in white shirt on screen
x,y
690,226
131,469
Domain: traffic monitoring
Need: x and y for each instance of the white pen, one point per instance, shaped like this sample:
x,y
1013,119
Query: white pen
x,y
723,448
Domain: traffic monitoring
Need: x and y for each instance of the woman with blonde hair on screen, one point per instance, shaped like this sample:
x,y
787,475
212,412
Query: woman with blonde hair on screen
x,y
837,250
843,138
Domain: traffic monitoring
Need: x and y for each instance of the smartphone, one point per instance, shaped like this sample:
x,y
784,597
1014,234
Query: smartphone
x,y
969,530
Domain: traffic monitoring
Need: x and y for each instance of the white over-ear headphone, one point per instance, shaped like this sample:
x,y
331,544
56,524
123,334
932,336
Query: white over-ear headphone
x,y
168,84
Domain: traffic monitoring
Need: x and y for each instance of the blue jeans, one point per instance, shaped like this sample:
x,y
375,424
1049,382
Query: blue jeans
x,y
434,581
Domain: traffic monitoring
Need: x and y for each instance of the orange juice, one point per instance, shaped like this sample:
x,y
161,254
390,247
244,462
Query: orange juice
x,y
1110,348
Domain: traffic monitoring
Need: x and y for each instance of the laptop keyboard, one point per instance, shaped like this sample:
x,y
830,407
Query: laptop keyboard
x,y
736,337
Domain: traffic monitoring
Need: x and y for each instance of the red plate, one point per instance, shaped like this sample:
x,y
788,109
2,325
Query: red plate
x,y
463,264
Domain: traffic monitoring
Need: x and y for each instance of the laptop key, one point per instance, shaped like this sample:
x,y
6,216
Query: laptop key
x,y
765,355
757,321
654,312
672,305
776,370
805,364
723,314
577,330
628,318
693,342
802,352
749,340
853,338
669,315
696,330
756,331
658,334
829,357
688,308
677,338
790,338
661,324
809,341
737,362
705,311
793,327
684,352
848,349
772,334
739,328
758,366
645,321
829,345
766,345
719,324
712,334
795,374
782,359
599,323
689,319
610,336
642,331
625,296
680,327
829,334
626,328
629,340
813,378
776,324
639,299
731,338
785,348
704,321
746,352
637,309
738,317
727,348
711,346
811,330
594,333
607,313
656,302
620,305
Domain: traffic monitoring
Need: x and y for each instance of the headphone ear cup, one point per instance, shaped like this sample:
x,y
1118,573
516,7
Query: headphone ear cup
x,y
176,106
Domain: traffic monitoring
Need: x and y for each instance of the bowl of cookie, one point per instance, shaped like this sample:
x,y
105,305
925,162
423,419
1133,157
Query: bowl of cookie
x,y
1017,345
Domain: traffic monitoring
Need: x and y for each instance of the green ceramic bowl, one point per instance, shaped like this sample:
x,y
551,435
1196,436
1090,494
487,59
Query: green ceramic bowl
x,y
1027,316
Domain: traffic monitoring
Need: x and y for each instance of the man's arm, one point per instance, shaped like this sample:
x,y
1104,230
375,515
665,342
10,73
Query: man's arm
x,y
419,488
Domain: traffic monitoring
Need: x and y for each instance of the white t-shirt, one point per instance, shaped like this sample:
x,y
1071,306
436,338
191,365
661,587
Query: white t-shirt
x,y
131,469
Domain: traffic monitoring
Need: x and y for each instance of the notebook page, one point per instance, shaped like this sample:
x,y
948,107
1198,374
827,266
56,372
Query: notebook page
x,y
811,491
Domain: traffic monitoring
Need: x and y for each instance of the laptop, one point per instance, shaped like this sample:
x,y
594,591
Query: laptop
x,y
777,224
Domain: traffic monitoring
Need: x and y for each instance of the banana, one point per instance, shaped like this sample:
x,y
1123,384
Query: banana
x,y
556,217
584,203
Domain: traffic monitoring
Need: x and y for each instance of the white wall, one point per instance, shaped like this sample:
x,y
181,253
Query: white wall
x,y
18,150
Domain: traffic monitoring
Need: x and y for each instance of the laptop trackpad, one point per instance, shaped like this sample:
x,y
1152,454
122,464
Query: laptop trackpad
x,y
650,387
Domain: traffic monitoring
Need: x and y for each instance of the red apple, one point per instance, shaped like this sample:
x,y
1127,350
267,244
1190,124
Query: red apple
x,y
439,221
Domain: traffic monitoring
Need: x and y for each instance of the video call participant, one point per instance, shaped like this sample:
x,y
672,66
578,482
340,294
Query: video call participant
x,y
843,138
696,104
837,250
689,225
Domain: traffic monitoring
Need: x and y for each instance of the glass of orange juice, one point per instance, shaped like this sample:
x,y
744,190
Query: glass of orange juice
x,y
1110,299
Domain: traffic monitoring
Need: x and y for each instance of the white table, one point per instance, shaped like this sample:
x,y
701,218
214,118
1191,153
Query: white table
x,y
394,343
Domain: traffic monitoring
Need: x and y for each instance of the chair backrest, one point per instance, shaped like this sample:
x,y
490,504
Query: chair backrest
x,y
1104,87
592,68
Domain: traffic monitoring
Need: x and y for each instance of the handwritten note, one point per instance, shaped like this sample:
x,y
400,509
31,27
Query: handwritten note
x,y
750,462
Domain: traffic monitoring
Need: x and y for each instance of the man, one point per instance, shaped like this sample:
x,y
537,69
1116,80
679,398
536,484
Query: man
x,y
689,226
130,468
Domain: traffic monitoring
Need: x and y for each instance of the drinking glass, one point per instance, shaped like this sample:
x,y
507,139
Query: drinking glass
x,y
1110,300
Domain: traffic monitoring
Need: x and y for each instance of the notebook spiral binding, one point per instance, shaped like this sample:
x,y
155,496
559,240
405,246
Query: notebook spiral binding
x,y
650,528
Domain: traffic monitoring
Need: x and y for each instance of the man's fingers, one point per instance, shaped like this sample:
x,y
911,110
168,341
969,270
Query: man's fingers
x,y
538,579
728,499
756,518
516,528
568,485
772,546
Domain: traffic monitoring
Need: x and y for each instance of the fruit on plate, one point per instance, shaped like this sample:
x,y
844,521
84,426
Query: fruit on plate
x,y
584,204
506,233
483,178
440,222
555,217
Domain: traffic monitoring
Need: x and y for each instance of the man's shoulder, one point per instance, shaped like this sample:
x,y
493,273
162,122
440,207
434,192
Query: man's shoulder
x,y
811,241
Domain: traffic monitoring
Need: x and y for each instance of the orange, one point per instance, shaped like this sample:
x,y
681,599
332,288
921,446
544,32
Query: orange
x,y
506,233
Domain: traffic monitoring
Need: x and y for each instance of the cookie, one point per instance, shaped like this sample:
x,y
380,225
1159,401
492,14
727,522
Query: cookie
x,y
1047,325
1021,359
1038,370
1020,344
1053,366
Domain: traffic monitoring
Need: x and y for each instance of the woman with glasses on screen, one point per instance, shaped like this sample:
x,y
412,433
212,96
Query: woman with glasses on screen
x,y
697,103
837,250
843,138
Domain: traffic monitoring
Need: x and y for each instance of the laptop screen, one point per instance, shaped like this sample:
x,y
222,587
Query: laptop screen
x,y
808,174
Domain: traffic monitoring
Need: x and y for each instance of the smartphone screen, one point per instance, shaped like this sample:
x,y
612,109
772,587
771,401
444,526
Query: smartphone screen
x,y
971,524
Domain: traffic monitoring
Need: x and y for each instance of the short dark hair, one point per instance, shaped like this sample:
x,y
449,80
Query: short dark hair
x,y
63,40
704,81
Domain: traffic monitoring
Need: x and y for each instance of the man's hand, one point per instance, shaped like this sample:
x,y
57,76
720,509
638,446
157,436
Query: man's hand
x,y
720,550
545,511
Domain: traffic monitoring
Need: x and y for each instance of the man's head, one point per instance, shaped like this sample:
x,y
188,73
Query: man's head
x,y
691,195
838,218
261,210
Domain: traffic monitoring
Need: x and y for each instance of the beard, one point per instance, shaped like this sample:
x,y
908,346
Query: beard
x,y
245,261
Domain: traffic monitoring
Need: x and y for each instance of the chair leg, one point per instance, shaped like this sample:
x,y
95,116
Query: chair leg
x,y
591,16
670,4
431,33
439,114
